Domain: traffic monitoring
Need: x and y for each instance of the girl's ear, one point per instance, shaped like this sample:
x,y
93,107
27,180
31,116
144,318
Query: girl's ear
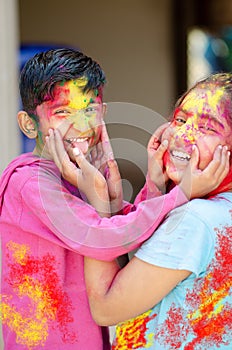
x,y
27,125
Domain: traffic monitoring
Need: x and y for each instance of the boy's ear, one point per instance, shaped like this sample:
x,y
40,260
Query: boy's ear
x,y
104,109
27,125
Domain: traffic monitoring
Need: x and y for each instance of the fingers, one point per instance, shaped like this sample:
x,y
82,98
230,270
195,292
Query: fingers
x,y
80,159
106,145
219,166
158,133
194,161
102,152
221,163
161,150
155,140
51,142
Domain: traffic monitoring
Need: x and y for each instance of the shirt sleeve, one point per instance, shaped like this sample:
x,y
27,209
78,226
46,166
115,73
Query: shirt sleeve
x,y
77,226
183,242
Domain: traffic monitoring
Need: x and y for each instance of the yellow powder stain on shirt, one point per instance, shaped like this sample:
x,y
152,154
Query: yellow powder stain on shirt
x,y
19,252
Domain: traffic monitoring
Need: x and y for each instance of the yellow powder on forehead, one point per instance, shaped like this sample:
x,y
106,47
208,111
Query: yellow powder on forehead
x,y
78,98
198,100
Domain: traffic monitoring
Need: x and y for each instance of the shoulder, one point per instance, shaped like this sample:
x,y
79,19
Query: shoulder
x,y
32,171
212,211
187,237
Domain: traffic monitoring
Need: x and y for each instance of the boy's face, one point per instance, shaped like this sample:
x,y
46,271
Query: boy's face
x,y
200,120
77,114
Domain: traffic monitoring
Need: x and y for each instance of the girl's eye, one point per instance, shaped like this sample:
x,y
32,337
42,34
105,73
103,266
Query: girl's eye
x,y
207,128
179,120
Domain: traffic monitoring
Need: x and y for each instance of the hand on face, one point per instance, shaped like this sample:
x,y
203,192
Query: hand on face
x,y
197,183
156,150
99,180
87,178
102,158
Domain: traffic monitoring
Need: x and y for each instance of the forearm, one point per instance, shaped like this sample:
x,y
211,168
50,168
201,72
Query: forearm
x,y
98,278
149,190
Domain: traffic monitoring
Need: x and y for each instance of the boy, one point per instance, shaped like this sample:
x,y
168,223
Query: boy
x,y
45,226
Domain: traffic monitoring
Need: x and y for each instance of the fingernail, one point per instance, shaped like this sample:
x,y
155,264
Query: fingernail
x,y
76,152
165,143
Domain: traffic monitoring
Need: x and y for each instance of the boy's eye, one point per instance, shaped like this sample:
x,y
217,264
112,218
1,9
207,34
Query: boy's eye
x,y
62,111
90,110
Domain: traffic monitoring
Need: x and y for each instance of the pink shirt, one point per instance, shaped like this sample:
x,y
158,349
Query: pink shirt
x,y
46,228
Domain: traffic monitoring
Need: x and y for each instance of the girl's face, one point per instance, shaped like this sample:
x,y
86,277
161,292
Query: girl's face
x,y
201,120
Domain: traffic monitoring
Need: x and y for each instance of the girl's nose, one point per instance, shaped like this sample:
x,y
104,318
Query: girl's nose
x,y
187,133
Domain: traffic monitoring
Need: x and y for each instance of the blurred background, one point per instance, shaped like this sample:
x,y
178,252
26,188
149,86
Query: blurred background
x,y
150,50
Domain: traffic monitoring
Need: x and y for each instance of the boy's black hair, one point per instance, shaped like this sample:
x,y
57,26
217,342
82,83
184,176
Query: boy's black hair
x,y
45,69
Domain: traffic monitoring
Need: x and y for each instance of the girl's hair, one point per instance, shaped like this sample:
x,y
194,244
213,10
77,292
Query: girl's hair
x,y
223,81
40,74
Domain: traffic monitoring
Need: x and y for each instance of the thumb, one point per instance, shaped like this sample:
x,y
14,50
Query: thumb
x,y
194,157
161,150
80,159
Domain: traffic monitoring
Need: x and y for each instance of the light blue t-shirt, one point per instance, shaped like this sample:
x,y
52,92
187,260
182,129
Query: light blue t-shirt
x,y
197,313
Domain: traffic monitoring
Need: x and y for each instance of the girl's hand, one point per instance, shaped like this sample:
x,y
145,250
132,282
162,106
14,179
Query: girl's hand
x,y
156,151
87,178
102,158
198,183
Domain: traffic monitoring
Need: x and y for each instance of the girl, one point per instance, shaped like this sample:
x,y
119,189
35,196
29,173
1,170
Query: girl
x,y
176,292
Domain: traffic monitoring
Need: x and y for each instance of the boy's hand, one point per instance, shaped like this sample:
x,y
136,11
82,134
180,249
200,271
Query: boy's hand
x,y
197,183
102,158
87,178
156,150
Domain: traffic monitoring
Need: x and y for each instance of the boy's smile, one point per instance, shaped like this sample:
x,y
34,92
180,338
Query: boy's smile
x,y
77,114
201,120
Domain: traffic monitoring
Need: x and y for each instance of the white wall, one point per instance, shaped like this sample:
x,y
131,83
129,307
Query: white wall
x,y
131,39
9,137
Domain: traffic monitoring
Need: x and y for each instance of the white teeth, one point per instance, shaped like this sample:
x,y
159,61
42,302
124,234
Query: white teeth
x,y
75,139
181,155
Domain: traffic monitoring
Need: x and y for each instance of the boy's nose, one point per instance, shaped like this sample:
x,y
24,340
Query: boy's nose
x,y
82,122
